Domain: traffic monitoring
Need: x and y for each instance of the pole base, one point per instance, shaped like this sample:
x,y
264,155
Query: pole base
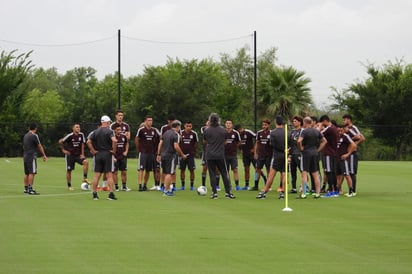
x,y
287,209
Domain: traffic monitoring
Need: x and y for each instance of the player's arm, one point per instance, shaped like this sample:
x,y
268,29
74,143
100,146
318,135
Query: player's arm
x,y
126,148
351,148
91,148
159,150
322,144
61,143
114,145
137,142
127,133
300,144
41,149
179,150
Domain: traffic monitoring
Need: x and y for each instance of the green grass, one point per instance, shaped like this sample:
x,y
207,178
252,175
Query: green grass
x,y
62,232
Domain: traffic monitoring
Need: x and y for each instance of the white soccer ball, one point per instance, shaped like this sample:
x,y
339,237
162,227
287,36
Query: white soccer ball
x,y
85,186
202,190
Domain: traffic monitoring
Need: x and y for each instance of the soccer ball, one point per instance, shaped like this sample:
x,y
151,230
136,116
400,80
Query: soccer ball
x,y
85,186
202,190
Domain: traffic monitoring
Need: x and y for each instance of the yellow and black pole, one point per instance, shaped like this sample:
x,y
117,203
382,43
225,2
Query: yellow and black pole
x,y
287,208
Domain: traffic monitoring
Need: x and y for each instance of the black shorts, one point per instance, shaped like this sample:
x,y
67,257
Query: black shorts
x,y
248,159
30,167
146,161
278,162
328,163
342,167
231,163
353,163
263,162
71,161
189,163
120,164
309,161
103,162
169,165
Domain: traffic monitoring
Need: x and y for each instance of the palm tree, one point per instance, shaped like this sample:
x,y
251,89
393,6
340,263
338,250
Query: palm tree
x,y
283,91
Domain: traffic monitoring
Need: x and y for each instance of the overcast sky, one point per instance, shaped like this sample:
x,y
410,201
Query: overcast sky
x,y
328,40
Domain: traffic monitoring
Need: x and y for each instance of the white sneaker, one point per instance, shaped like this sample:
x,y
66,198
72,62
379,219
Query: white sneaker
x,y
155,188
125,188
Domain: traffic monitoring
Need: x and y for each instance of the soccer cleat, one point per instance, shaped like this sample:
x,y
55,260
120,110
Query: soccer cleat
x,y
168,193
245,188
237,188
349,195
281,196
144,188
255,188
116,188
140,188
125,188
317,196
86,181
218,188
95,197
293,190
26,191
182,188
302,196
192,188
33,192
261,195
213,196
154,188
71,188
329,194
230,196
111,197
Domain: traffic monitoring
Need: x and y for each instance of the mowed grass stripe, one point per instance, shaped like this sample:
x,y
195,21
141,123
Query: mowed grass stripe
x,y
148,233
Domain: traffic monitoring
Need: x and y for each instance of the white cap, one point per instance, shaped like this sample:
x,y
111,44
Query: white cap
x,y
105,118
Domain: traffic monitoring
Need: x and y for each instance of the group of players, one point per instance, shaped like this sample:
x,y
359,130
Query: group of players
x,y
308,141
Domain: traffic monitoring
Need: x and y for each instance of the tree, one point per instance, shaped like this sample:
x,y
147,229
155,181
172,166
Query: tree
x,y
189,89
283,91
383,101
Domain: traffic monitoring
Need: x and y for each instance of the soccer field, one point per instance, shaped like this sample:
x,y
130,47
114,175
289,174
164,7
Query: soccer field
x,y
143,232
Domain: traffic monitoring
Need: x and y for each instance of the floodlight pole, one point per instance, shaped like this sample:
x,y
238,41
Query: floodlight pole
x,y
255,79
118,69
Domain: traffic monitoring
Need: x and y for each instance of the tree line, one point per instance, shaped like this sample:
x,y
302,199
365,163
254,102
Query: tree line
x,y
192,89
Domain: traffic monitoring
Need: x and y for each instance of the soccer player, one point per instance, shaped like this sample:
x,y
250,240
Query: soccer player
x,y
247,145
346,146
102,144
263,152
358,138
31,143
146,141
294,153
231,146
310,142
330,132
72,145
214,137
122,150
277,142
166,155
188,144
170,118
125,128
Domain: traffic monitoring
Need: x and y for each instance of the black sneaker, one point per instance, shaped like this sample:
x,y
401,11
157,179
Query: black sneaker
x,y
293,190
95,197
33,192
144,188
261,195
140,188
230,196
281,196
111,197
255,188
213,196
26,191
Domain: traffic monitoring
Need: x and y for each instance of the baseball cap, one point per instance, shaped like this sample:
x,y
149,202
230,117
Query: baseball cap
x,y
105,118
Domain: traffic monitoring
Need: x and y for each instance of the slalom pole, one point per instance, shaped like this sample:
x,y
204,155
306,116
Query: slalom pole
x,y
287,208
